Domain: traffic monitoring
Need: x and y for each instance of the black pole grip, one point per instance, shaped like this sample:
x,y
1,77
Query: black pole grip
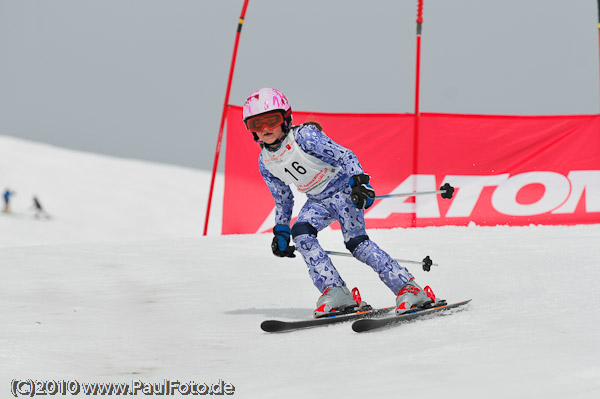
x,y
427,263
449,191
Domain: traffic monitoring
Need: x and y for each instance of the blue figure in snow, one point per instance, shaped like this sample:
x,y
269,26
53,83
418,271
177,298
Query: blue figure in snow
x,y
337,188
6,196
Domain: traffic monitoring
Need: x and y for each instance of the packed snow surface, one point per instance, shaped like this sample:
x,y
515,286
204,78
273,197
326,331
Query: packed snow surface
x,y
119,285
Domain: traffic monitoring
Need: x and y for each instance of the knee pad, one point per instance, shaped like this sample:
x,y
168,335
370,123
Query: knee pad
x,y
355,241
303,228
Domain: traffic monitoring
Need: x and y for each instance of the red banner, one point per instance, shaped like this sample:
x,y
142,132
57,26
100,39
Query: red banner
x,y
507,170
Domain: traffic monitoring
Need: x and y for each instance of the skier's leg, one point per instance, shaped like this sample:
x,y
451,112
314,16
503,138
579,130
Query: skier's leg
x,y
394,275
352,222
313,218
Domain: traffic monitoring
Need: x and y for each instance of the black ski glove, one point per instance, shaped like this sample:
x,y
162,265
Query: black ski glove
x,y
281,242
362,193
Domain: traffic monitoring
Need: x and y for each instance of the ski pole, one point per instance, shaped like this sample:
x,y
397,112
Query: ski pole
x,y
426,262
446,190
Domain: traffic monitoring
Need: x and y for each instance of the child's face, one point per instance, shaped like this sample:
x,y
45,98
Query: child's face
x,y
270,135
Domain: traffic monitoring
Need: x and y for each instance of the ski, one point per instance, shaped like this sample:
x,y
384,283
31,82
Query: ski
x,y
376,323
280,325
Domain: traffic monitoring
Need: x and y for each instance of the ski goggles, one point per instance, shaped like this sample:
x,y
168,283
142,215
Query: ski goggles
x,y
259,122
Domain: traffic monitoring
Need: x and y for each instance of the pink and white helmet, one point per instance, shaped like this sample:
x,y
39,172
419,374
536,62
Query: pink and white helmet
x,y
266,100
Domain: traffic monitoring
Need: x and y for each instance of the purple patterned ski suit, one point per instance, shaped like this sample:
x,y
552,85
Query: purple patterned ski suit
x,y
331,204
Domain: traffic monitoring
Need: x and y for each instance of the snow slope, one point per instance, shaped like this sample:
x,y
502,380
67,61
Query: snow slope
x,y
120,286
99,198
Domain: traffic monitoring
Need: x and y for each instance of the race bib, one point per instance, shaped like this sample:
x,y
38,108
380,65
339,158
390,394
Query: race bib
x,y
293,166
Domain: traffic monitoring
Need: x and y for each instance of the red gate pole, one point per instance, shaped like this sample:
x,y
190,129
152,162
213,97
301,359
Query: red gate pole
x,y
224,115
418,68
417,111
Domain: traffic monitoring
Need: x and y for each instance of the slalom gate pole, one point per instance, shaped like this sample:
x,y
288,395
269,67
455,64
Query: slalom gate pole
x,y
224,115
418,66
426,262
599,30
417,97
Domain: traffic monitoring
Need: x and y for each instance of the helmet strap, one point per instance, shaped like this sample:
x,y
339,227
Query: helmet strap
x,y
274,145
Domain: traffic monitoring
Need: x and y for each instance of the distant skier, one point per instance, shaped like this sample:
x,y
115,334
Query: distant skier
x,y
6,196
39,210
337,189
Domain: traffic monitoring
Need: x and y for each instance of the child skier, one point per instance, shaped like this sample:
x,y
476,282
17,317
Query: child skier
x,y
337,189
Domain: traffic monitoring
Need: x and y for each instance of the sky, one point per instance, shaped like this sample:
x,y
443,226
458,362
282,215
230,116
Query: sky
x,y
146,79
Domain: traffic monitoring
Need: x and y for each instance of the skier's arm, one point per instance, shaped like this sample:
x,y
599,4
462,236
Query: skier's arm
x,y
282,194
284,204
316,143
319,145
